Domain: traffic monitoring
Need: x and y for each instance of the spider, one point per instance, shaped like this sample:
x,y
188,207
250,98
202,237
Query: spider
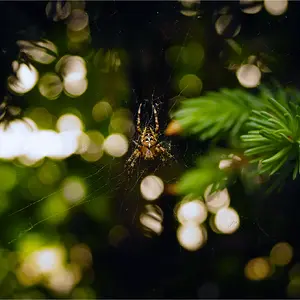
x,y
148,146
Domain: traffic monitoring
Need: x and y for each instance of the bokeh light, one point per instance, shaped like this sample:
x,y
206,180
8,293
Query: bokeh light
x,y
293,288
277,7
227,220
151,187
69,122
12,140
152,219
26,78
41,118
83,143
78,20
62,281
62,10
191,236
116,145
49,260
49,172
44,52
122,125
8,178
281,254
75,88
39,264
101,111
190,8
193,211
92,145
80,254
251,6
258,269
248,75
54,209
50,86
72,68
224,22
48,143
173,128
74,189
217,200
190,85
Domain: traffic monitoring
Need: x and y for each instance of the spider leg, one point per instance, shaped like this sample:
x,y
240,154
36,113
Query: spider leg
x,y
164,151
138,122
136,143
156,119
133,158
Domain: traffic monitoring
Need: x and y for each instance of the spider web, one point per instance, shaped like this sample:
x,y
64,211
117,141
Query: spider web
x,y
125,193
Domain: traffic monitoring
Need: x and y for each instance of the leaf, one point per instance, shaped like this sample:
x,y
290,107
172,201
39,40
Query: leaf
x,y
216,113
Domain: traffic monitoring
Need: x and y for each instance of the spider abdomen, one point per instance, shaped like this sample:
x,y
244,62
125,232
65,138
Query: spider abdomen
x,y
147,153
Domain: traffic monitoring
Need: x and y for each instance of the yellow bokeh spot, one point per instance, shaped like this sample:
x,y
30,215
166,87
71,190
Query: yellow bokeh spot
x,y
63,280
50,86
258,269
121,125
49,172
94,149
40,264
193,56
74,189
101,111
81,255
4,203
8,177
281,254
190,85
190,57
83,293
42,117
30,243
293,288
54,209
295,271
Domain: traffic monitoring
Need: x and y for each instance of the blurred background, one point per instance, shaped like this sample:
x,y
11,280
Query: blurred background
x,y
75,222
